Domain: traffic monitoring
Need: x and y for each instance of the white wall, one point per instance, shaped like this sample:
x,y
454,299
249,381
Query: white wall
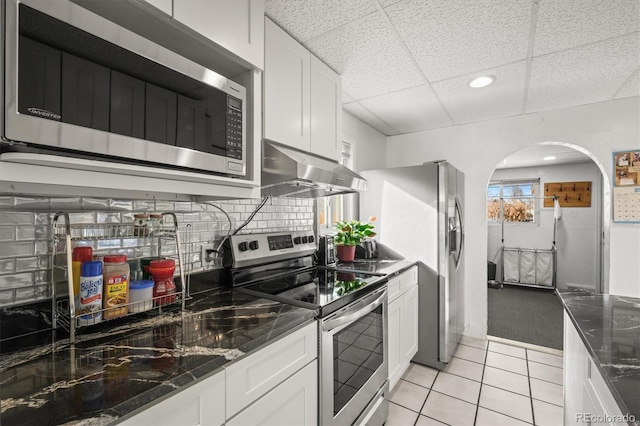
x,y
477,148
368,143
578,231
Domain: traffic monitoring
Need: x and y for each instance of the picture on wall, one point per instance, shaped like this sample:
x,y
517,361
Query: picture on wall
x,y
626,186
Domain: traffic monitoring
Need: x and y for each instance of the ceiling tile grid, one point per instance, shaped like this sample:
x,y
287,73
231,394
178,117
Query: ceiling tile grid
x,y
564,24
582,75
368,56
403,61
503,98
452,38
305,19
358,111
409,110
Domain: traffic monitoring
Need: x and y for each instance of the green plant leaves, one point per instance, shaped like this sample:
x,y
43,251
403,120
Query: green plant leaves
x,y
351,233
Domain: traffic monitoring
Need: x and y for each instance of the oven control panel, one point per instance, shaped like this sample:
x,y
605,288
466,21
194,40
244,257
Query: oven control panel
x,y
253,249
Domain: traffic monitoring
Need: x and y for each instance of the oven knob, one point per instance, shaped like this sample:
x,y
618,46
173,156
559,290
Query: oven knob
x,y
297,240
311,238
253,245
305,239
243,246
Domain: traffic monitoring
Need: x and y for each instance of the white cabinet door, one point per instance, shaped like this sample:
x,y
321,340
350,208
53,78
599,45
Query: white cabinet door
x,y
575,368
587,398
286,89
409,331
326,110
165,6
200,404
294,402
395,330
254,376
236,25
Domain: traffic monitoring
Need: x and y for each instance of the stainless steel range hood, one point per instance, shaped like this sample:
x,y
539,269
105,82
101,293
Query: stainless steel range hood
x,y
287,172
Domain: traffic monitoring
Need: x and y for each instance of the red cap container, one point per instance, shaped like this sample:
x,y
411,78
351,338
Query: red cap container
x,y
82,254
114,258
162,268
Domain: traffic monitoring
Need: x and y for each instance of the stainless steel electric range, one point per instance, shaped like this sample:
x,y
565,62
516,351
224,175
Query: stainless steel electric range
x,y
352,318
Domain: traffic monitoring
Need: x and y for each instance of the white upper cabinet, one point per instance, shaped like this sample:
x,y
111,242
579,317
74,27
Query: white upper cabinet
x,y
326,110
236,25
286,89
302,96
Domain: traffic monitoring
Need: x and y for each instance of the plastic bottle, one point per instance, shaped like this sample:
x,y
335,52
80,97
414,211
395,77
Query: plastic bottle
x,y
116,285
162,273
78,255
89,306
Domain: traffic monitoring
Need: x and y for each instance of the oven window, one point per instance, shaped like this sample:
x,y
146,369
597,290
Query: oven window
x,y
357,354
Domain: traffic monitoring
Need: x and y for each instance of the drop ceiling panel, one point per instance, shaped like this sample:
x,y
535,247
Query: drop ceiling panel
x,y
631,87
582,75
358,111
304,20
571,23
452,38
368,56
503,98
409,110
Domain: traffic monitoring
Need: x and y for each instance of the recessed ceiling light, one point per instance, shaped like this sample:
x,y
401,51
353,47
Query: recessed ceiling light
x,y
482,81
550,157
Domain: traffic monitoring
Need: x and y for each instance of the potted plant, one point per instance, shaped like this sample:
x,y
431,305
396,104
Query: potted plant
x,y
350,234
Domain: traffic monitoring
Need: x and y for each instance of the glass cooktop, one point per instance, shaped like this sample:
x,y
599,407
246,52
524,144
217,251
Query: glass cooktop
x,y
324,289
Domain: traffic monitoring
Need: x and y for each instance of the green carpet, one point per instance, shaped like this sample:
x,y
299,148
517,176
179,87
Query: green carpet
x,y
526,315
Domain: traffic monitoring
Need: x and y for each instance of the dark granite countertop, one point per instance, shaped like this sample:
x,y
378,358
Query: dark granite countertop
x,y
610,328
121,365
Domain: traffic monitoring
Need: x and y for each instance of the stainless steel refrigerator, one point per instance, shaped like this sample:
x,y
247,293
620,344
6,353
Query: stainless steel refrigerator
x,y
419,212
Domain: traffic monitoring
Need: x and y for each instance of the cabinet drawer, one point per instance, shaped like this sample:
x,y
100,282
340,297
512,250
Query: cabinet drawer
x,y
254,376
408,278
294,402
200,404
393,288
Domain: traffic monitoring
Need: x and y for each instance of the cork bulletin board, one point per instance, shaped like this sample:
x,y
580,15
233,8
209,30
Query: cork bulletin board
x,y
626,186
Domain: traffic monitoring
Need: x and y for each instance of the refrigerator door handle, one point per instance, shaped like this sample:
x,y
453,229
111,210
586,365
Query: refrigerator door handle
x,y
453,236
458,244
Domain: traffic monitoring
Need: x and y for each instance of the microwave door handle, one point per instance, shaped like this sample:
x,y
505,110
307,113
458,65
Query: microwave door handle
x,y
353,314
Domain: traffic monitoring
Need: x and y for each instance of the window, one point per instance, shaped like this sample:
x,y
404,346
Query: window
x,y
338,207
518,201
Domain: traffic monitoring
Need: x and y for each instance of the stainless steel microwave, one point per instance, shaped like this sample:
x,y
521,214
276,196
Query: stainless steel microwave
x,y
78,85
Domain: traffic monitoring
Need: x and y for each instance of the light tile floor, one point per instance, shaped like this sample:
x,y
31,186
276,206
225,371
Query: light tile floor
x,y
486,383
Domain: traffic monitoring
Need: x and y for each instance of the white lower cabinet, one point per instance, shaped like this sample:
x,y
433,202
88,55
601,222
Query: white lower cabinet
x,y
402,322
277,385
200,404
587,398
294,402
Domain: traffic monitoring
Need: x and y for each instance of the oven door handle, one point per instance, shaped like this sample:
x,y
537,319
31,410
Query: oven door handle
x,y
355,312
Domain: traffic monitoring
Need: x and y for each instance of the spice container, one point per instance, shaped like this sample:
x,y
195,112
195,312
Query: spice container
x,y
90,298
162,273
141,295
116,285
80,254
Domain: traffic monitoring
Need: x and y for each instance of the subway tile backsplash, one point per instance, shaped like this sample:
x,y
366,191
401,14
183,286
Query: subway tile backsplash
x,y
26,234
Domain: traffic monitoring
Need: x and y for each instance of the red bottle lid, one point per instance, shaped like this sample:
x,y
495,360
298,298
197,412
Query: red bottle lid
x,y
82,254
114,258
162,263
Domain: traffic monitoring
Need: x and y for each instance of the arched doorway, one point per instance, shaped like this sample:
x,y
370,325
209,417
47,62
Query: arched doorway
x,y
529,246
